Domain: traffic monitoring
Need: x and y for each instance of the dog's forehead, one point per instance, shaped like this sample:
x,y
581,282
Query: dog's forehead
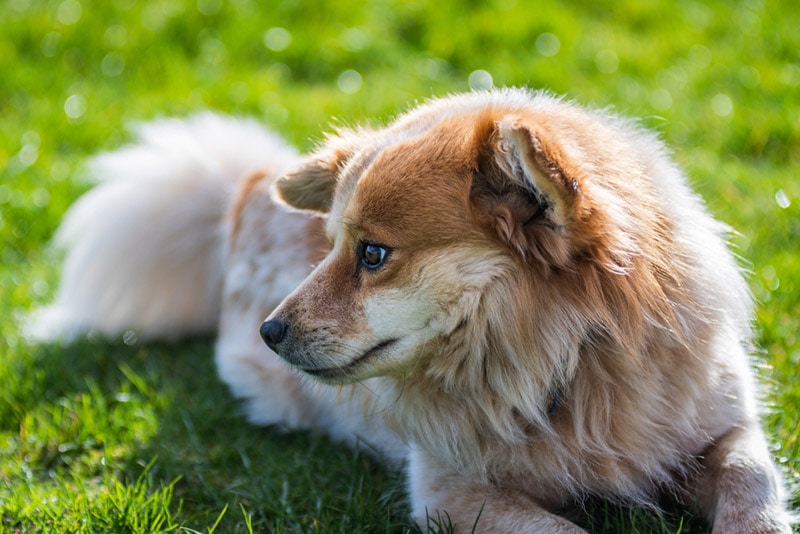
x,y
408,184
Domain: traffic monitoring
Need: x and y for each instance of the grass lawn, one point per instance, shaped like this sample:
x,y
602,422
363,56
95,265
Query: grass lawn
x,y
104,436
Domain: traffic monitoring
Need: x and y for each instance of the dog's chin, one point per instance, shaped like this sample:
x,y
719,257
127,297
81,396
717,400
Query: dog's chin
x,y
367,365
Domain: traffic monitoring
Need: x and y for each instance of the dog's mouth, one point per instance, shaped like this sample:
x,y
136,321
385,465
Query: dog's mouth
x,y
338,373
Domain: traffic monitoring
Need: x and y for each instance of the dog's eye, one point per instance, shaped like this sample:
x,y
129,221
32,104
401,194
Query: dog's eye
x,y
373,255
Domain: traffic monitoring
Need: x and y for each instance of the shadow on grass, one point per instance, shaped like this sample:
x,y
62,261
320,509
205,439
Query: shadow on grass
x,y
165,412
161,408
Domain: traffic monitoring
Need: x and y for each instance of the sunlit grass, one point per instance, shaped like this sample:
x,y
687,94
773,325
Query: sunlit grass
x,y
107,437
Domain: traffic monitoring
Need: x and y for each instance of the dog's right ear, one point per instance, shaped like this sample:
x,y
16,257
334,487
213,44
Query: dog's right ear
x,y
311,186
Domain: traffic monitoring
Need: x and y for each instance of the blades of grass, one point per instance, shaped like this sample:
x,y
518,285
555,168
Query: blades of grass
x,y
248,519
213,527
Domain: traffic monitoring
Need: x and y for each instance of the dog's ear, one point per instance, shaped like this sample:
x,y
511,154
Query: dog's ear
x,y
309,187
312,185
525,189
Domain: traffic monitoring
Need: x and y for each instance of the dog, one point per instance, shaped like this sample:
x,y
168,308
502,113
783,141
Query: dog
x,y
516,298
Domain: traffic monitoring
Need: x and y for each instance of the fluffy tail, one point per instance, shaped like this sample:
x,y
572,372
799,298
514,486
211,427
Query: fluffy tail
x,y
145,247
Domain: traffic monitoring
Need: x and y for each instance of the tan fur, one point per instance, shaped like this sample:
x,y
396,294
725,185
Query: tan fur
x,y
555,317
243,193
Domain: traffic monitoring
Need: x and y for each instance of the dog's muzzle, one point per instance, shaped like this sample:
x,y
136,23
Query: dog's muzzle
x,y
273,331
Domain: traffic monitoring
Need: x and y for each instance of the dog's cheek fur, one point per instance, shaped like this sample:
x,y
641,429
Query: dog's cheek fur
x,y
340,312
420,301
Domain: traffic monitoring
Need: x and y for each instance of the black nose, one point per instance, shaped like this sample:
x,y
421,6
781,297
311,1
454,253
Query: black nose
x,y
273,332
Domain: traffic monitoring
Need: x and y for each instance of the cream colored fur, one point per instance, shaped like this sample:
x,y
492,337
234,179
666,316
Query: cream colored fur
x,y
146,246
557,316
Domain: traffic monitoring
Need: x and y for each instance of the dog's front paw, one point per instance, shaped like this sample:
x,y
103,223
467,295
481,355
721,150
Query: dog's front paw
x,y
751,522
443,499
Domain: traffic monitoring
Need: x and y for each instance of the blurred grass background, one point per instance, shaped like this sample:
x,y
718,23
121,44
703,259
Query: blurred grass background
x,y
108,437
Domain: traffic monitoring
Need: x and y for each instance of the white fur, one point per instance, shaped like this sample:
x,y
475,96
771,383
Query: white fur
x,y
145,246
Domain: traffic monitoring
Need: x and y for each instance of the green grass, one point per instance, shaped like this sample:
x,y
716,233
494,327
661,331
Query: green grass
x,y
108,437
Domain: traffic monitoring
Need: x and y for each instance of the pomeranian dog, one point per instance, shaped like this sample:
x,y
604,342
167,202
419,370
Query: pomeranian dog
x,y
518,299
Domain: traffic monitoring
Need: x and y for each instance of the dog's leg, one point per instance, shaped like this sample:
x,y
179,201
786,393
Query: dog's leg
x,y
439,494
740,490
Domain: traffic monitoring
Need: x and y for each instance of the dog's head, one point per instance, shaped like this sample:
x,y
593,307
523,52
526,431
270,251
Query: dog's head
x,y
474,221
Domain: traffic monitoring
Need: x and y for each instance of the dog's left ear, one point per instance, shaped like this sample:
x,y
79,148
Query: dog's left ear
x,y
525,189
